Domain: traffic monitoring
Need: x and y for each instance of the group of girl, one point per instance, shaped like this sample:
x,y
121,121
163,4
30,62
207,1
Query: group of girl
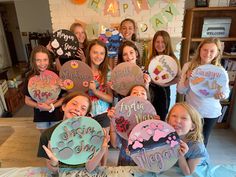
x,y
182,116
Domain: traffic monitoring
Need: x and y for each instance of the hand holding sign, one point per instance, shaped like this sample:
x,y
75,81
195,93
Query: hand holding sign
x,y
64,43
77,140
162,69
208,80
154,145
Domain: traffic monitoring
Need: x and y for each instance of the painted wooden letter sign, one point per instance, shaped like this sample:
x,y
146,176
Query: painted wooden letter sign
x,y
154,145
76,76
129,112
44,87
206,80
124,76
162,69
64,43
77,140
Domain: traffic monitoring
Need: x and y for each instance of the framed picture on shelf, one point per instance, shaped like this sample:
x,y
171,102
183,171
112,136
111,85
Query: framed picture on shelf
x,y
201,3
232,3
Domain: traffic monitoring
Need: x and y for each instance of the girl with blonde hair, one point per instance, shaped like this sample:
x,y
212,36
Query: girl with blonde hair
x,y
188,125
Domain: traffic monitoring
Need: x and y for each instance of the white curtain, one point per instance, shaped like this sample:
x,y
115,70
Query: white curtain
x,y
5,59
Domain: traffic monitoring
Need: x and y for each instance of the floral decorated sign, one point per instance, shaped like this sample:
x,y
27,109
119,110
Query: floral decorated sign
x,y
44,87
112,38
77,140
124,76
162,69
76,76
129,112
206,80
64,43
154,145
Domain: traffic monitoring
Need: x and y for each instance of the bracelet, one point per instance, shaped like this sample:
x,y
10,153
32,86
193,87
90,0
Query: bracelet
x,y
52,108
54,164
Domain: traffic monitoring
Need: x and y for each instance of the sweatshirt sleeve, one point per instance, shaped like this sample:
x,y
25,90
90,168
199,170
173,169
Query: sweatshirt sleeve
x,y
181,88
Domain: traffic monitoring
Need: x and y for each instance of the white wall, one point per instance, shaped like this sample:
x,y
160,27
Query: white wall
x,y
33,16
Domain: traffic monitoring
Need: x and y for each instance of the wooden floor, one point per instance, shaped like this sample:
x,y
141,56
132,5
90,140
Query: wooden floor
x,y
19,138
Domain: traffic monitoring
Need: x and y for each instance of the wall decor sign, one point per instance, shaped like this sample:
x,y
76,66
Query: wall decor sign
x,y
44,87
162,69
154,145
129,112
76,76
112,38
206,80
77,140
126,75
64,43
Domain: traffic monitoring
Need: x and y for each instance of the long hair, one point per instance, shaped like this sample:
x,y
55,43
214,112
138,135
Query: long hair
x,y
134,36
168,47
121,49
196,60
72,28
33,66
103,67
196,133
72,95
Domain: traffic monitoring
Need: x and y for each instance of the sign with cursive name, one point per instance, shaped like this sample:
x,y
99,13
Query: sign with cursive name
x,y
112,38
76,76
64,43
162,69
154,145
208,79
77,140
124,76
129,112
44,87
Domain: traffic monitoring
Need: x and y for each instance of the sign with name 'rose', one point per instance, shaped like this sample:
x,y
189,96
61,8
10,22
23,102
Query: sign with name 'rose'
x,y
154,145
162,69
76,76
77,140
129,112
126,75
44,87
64,43
208,79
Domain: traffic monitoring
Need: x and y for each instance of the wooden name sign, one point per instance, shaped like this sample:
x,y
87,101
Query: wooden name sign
x,y
129,112
124,76
76,76
77,140
44,87
162,69
208,79
112,38
64,43
154,145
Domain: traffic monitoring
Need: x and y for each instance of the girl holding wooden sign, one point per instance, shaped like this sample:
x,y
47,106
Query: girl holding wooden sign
x,y
99,91
74,104
188,125
160,94
208,52
42,90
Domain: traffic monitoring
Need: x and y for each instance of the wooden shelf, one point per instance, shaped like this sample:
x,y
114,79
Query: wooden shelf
x,y
192,32
224,39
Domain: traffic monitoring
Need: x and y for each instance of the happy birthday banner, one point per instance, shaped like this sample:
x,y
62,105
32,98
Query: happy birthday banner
x,y
117,8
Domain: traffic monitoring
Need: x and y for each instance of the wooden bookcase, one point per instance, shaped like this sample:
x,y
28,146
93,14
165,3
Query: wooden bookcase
x,y
192,30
